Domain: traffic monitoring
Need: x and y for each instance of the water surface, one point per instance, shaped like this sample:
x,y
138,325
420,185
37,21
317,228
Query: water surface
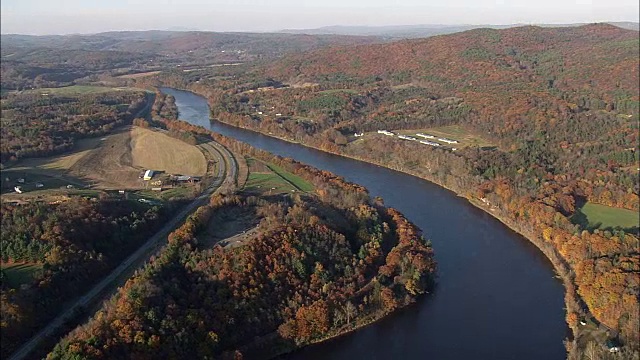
x,y
496,297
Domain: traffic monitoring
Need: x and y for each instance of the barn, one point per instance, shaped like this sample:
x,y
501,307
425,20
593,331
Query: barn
x,y
148,175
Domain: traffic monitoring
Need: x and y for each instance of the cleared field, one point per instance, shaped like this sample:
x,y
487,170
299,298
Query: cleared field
x,y
20,273
114,161
267,183
263,179
454,132
34,182
600,216
155,150
297,181
139,75
63,162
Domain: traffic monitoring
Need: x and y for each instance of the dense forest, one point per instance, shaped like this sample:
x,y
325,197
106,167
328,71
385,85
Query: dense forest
x,y
322,264
74,242
35,125
561,106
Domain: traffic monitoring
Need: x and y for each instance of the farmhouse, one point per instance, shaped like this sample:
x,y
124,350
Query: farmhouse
x,y
148,175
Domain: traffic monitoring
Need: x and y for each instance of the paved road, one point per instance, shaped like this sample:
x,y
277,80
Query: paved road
x,y
109,284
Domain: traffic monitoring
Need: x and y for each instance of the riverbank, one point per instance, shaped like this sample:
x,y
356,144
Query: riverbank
x,y
562,269
493,256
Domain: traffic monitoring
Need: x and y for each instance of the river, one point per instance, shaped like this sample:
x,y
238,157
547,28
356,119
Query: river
x,y
496,295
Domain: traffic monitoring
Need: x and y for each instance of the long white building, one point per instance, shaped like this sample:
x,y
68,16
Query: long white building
x,y
448,141
426,136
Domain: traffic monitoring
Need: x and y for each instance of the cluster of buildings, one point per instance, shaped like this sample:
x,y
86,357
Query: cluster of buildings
x,y
425,136
422,135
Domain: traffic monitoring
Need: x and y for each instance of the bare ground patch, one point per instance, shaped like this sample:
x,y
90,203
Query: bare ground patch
x,y
231,227
110,164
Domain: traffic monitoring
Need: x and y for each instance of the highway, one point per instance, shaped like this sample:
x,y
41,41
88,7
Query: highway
x,y
108,285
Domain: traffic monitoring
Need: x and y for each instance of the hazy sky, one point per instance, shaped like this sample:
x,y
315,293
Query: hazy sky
x,y
85,16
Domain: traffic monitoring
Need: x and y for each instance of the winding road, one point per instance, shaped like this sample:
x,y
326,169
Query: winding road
x,y
107,286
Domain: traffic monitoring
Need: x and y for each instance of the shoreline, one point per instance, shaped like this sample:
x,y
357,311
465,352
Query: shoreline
x,y
560,268
571,298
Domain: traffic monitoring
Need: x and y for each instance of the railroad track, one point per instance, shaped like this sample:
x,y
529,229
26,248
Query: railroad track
x,y
224,179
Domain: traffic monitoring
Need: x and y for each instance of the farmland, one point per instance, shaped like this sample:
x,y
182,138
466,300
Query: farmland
x,y
271,179
114,161
605,217
155,150
262,179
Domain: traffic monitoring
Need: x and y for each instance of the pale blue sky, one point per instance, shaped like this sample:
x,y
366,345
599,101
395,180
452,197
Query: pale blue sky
x,y
84,16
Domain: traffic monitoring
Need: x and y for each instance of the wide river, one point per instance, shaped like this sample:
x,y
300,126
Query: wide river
x,y
496,295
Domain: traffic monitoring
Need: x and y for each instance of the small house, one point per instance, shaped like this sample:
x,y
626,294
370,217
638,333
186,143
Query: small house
x,y
39,185
21,181
18,189
148,175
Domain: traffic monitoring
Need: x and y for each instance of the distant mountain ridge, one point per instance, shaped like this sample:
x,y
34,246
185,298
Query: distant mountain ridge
x,y
419,31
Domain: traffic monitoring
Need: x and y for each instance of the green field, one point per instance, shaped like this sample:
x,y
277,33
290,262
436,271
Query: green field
x,y
272,179
296,180
604,217
18,274
270,183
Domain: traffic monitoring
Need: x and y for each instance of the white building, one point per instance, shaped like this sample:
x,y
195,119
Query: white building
x,y
405,137
430,143
448,141
426,136
385,132
148,175
18,189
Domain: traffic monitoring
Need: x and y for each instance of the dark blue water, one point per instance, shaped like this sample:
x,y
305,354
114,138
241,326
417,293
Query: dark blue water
x,y
496,297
